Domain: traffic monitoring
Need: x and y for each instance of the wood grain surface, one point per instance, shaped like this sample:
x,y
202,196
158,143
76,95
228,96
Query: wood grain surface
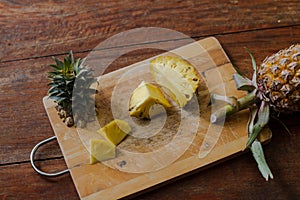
x,y
32,31
34,28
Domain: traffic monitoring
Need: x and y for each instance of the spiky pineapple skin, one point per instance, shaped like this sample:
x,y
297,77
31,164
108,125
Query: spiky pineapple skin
x,y
278,80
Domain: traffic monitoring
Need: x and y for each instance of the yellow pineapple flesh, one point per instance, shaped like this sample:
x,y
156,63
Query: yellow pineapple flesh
x,y
178,78
115,131
144,99
101,150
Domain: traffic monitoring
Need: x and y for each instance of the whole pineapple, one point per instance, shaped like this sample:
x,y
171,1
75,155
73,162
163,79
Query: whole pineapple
x,y
278,80
71,107
275,87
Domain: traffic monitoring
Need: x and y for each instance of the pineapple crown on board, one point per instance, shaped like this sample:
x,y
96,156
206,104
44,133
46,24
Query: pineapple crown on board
x,y
62,78
68,76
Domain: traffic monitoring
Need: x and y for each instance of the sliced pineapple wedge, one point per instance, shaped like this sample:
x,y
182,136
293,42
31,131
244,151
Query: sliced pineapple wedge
x,y
143,101
101,150
115,131
178,78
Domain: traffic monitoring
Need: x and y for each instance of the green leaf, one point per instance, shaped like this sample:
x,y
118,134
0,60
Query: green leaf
x,y
252,116
69,82
52,89
67,64
82,61
82,73
52,84
58,63
254,67
259,157
58,94
243,83
56,77
263,116
54,73
60,100
55,67
252,59
76,66
62,94
55,98
71,56
54,93
253,135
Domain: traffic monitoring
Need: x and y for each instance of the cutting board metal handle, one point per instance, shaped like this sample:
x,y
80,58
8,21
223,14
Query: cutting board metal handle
x,y
35,148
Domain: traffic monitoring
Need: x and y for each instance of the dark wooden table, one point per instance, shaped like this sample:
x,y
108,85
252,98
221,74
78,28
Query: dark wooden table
x,y
31,32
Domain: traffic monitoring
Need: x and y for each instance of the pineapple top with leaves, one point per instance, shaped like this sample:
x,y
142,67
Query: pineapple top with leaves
x,y
67,76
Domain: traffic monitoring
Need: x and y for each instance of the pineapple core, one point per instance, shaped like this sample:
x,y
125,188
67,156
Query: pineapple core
x,y
178,78
144,99
115,131
101,150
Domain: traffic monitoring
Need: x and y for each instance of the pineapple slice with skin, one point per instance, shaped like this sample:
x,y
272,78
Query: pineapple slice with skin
x,y
115,131
144,99
101,150
178,78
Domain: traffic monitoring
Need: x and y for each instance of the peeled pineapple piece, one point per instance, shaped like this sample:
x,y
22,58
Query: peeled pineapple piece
x,y
115,131
178,78
143,101
101,150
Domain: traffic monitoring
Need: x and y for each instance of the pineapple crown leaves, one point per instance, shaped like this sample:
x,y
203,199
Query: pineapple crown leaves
x,y
68,75
258,118
242,82
253,66
258,154
62,78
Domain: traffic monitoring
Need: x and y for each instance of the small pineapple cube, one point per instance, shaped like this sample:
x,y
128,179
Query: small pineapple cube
x,y
101,150
115,131
143,101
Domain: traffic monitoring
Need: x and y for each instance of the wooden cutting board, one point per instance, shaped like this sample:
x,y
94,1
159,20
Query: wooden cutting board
x,y
167,147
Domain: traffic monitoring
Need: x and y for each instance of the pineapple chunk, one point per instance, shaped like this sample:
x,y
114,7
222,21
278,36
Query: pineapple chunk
x,y
178,78
101,150
144,99
115,131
